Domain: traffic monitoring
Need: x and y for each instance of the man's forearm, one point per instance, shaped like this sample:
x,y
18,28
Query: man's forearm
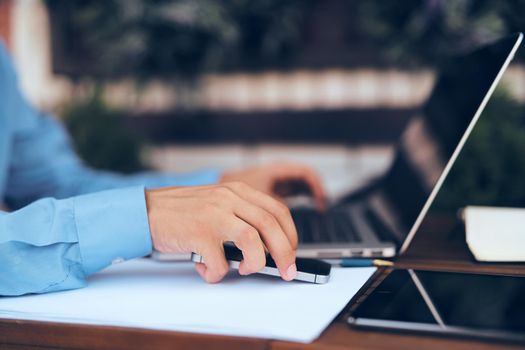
x,y
54,245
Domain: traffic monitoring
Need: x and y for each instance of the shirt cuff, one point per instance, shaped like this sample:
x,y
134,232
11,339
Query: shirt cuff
x,y
112,226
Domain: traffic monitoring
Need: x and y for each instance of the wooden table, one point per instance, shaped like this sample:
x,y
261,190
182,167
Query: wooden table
x,y
435,247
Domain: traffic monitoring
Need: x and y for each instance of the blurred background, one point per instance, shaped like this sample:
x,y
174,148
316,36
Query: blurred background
x,y
180,85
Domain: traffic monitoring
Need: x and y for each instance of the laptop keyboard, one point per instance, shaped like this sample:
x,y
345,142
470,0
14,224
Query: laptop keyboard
x,y
334,225
337,225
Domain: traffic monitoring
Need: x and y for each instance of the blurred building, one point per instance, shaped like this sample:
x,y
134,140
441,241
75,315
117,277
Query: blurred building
x,y
26,29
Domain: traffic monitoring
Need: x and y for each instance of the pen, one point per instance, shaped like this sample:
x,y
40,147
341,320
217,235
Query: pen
x,y
365,262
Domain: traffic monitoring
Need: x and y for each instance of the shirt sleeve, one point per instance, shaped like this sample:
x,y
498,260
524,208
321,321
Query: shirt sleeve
x,y
44,164
53,245
42,161
70,220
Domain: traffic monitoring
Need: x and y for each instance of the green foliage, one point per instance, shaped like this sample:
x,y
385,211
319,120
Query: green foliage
x,y
491,168
99,137
181,38
415,32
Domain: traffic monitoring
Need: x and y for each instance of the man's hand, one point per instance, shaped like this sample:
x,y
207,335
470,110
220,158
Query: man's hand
x,y
264,178
201,219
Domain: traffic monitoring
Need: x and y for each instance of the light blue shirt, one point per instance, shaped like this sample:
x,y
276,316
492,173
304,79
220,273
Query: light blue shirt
x,y
70,221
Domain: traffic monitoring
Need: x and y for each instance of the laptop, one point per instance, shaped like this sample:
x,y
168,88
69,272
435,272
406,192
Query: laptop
x,y
381,219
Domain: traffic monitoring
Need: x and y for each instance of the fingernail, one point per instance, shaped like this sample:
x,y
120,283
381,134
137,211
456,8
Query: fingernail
x,y
291,273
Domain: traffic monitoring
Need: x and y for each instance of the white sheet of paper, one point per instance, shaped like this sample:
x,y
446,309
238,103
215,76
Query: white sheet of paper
x,y
172,296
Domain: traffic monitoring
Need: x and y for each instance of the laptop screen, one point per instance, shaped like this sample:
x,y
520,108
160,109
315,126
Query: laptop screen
x,y
432,136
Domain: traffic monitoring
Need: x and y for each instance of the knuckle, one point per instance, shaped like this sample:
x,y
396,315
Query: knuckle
x,y
237,185
248,235
282,209
267,220
221,191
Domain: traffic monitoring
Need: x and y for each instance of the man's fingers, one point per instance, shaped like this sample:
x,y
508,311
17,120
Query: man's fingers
x,y
247,239
308,175
272,235
215,266
279,210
